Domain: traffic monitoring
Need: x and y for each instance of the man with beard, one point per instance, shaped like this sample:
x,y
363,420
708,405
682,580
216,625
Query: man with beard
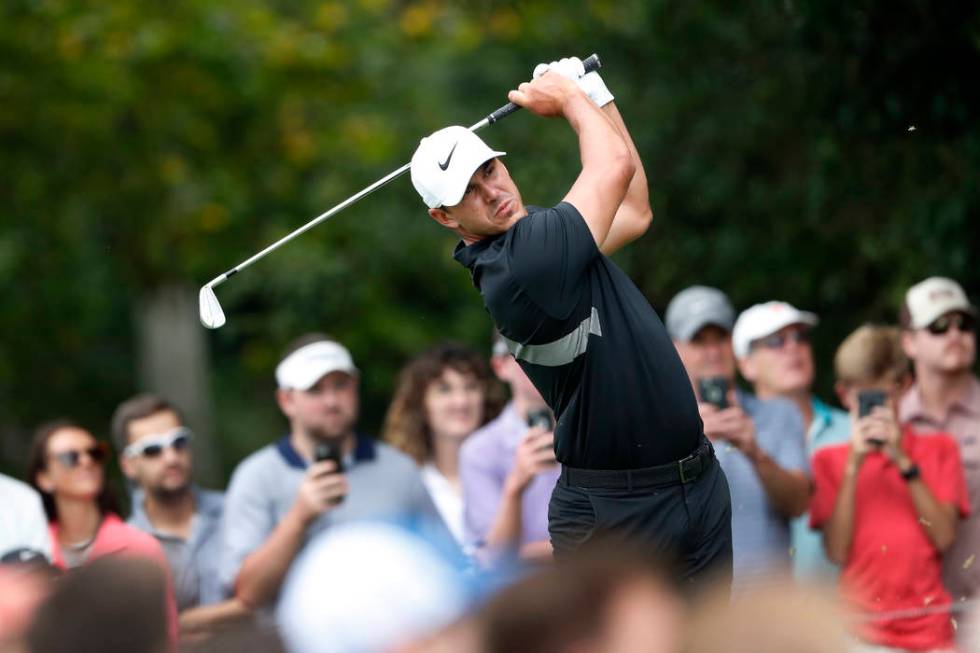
x,y
288,491
155,455
939,335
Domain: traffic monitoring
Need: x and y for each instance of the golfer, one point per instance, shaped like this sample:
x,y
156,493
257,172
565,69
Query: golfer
x,y
629,438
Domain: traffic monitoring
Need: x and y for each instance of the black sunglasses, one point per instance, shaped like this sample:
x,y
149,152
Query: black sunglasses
x,y
962,321
779,340
73,457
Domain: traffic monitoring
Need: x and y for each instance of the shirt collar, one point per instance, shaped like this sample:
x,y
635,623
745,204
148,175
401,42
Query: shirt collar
x,y
821,413
969,401
467,255
365,450
206,504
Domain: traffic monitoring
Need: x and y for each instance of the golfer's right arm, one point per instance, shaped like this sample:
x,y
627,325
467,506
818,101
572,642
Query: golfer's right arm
x,y
607,163
634,215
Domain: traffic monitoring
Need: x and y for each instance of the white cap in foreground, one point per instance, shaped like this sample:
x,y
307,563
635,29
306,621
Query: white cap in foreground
x,y
367,586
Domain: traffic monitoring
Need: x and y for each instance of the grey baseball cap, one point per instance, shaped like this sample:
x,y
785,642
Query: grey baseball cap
x,y
696,307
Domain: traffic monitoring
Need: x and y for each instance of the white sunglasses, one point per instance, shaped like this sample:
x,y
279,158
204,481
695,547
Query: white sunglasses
x,y
153,446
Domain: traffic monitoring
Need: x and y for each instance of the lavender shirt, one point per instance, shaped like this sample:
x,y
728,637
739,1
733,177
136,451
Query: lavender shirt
x,y
485,461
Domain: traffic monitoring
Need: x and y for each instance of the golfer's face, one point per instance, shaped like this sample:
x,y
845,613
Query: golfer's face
x,y
490,205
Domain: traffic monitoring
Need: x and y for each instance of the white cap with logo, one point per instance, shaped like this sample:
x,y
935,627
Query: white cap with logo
x,y
764,320
444,162
929,300
307,365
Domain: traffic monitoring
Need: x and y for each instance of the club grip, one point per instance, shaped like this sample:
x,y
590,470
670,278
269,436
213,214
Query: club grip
x,y
592,63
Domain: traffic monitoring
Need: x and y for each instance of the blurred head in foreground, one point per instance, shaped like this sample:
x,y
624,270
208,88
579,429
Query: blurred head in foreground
x,y
775,619
112,605
367,587
607,598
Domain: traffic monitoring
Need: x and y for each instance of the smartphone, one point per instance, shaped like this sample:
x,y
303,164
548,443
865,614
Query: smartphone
x,y
714,391
540,417
867,400
329,451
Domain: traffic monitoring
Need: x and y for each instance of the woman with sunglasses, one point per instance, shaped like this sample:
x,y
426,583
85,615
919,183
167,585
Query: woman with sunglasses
x,y
442,396
67,466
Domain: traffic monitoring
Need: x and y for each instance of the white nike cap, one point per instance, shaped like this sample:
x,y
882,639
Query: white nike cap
x,y
444,162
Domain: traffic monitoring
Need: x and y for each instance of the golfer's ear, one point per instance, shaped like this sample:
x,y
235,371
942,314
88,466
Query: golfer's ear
x,y
440,216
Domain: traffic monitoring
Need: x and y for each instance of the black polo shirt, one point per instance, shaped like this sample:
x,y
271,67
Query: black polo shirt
x,y
589,341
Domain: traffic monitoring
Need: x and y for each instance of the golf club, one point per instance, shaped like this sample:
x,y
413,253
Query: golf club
x,y
210,310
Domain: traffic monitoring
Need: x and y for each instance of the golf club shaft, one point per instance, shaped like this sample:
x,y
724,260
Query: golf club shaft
x,y
590,64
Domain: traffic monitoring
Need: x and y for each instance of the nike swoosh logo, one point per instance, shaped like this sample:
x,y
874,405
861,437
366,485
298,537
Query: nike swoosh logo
x,y
449,158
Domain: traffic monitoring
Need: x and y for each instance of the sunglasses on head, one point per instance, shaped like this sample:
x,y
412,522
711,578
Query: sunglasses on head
x,y
73,457
962,321
152,446
779,340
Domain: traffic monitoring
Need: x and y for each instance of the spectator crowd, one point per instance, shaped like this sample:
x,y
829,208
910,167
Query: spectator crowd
x,y
854,517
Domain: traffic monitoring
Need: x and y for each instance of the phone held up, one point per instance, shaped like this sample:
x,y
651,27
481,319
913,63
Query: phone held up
x,y
540,417
714,391
329,451
867,400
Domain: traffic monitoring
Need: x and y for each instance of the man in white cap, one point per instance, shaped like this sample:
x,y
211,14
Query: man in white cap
x,y
286,492
628,435
776,357
939,337
759,441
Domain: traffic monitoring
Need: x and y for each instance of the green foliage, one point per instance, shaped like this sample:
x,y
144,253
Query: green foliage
x,y
147,143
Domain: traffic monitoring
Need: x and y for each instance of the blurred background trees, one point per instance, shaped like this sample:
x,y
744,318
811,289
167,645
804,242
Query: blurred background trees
x,y
826,154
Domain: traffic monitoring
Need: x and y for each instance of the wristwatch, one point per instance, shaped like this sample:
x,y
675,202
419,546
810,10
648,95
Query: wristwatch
x,y
911,473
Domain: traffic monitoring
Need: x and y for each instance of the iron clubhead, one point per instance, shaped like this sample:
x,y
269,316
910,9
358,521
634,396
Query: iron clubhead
x,y
211,314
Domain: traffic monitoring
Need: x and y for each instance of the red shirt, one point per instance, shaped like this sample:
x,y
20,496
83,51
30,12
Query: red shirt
x,y
892,564
114,536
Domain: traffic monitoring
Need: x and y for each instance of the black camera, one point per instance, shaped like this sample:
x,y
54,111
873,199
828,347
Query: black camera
x,y
329,450
540,417
714,391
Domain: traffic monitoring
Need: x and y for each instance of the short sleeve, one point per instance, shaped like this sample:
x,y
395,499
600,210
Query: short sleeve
x,y
947,482
35,524
247,522
791,452
551,251
826,484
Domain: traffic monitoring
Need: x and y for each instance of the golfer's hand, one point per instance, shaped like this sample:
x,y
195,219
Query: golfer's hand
x,y
322,488
547,95
573,69
535,454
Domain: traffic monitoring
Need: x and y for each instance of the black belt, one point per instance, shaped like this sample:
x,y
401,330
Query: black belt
x,y
681,472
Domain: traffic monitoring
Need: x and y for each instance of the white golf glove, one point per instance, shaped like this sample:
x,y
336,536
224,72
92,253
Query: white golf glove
x,y
572,68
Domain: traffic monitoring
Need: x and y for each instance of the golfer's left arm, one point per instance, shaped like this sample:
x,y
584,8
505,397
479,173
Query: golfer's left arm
x,y
634,215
